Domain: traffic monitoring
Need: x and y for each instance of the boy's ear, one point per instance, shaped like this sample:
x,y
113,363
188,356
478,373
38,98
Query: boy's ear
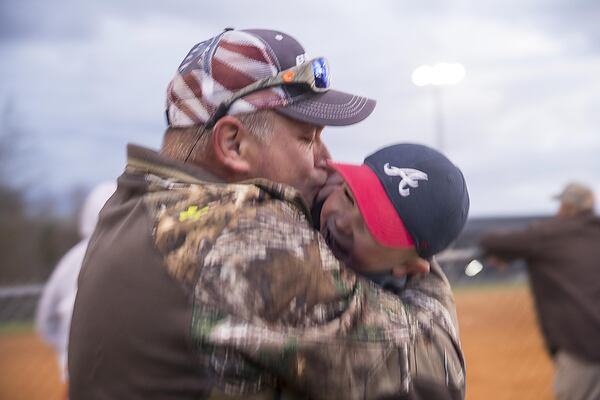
x,y
229,141
413,265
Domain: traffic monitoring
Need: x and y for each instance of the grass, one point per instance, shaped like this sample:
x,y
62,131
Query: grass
x,y
17,328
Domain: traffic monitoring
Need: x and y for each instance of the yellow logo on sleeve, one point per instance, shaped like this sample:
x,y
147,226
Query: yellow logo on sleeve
x,y
192,213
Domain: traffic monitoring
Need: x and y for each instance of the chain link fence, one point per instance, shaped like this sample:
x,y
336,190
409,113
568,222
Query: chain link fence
x,y
18,303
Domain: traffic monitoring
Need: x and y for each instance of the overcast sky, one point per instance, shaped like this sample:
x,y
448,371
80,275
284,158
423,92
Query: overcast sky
x,y
83,78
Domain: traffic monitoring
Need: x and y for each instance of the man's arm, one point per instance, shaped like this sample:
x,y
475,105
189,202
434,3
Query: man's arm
x,y
511,245
272,297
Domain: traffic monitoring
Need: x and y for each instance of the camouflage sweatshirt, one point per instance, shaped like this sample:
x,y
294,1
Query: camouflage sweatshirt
x,y
193,288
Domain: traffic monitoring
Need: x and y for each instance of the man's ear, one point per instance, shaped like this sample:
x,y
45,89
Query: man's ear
x,y
413,265
229,137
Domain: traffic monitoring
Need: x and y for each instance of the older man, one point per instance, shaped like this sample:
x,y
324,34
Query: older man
x,y
562,255
204,278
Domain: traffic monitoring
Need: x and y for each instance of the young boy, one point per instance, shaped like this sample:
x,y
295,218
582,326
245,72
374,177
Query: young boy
x,y
387,217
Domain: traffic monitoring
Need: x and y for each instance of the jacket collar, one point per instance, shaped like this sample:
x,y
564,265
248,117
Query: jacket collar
x,y
143,160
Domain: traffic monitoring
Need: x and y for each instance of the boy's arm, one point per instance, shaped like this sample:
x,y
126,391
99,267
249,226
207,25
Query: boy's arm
x,y
271,297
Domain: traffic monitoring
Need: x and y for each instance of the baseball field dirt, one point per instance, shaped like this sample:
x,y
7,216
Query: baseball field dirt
x,y
503,350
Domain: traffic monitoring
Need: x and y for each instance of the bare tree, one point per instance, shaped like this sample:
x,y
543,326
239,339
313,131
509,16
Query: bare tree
x,y
15,251
31,240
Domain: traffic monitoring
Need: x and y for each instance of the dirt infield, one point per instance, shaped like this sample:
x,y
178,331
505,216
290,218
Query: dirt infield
x,y
503,350
28,369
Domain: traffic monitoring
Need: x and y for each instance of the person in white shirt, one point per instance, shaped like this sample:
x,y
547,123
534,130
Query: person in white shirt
x,y
53,317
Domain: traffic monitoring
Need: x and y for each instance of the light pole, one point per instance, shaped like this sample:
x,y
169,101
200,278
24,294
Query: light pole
x,y
439,75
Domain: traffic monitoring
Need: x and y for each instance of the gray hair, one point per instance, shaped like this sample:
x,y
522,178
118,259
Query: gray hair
x,y
260,124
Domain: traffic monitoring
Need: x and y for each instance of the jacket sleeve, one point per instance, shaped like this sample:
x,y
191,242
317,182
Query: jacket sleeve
x,y
272,306
512,245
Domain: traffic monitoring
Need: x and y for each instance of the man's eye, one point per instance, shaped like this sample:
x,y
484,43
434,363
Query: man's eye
x,y
309,140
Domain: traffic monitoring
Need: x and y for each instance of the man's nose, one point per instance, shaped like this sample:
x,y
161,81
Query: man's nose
x,y
321,153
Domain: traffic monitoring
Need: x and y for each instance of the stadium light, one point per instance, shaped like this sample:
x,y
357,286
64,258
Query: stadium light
x,y
473,268
439,75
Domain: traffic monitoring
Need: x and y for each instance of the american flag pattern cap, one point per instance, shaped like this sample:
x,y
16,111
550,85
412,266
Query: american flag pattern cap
x,y
214,69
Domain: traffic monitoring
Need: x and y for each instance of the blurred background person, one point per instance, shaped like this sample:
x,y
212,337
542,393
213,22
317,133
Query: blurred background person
x,y
563,259
53,316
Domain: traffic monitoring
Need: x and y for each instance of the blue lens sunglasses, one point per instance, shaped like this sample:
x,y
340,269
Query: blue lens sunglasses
x,y
313,74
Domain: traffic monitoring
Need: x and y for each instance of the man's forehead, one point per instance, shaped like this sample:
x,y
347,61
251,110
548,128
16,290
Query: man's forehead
x,y
295,122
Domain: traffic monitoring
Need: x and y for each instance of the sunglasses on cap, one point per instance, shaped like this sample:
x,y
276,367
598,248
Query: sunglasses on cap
x,y
313,74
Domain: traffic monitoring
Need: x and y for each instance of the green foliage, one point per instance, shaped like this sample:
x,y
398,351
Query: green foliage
x,y
16,328
30,243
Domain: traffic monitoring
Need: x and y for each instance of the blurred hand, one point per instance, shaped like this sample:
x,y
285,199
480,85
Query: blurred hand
x,y
413,266
496,262
333,180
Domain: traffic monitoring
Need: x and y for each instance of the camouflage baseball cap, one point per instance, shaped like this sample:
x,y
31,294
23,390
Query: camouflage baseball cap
x,y
218,67
577,195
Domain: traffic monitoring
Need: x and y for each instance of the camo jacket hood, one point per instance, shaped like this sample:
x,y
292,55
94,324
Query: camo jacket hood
x,y
271,313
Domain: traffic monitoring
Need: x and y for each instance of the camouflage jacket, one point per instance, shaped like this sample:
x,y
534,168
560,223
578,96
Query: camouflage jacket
x,y
271,312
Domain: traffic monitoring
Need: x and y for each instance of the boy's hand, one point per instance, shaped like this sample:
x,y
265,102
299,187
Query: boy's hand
x,y
496,262
415,265
333,180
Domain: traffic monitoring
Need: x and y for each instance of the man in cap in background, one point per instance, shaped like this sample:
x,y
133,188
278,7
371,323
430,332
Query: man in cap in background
x,y
204,277
563,260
